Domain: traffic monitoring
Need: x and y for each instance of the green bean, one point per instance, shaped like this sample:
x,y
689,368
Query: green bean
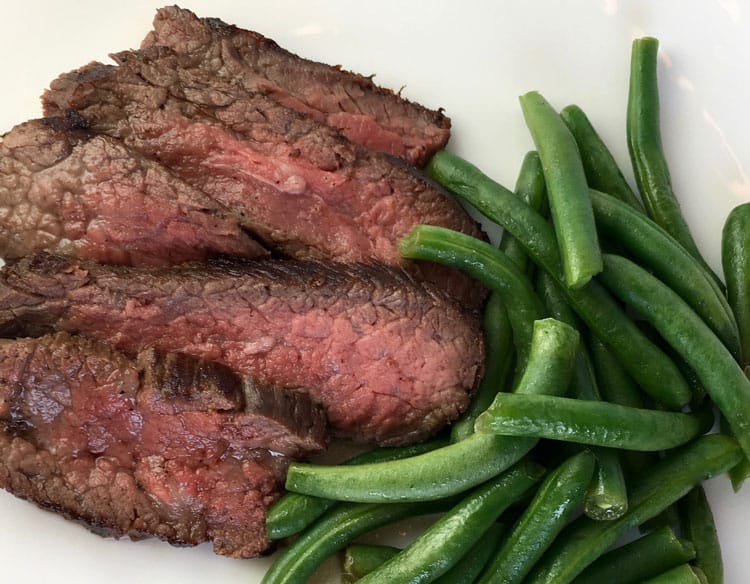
x,y
334,530
656,250
643,558
690,337
585,540
685,574
602,172
740,473
698,526
531,189
361,559
692,379
468,568
567,190
612,380
607,496
553,505
488,265
645,362
554,300
498,344
646,153
500,205
446,471
459,466
735,258
591,422
552,359
618,388
294,512
498,341
441,546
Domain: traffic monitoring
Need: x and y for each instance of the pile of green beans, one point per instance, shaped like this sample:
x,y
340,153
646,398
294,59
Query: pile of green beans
x,y
581,407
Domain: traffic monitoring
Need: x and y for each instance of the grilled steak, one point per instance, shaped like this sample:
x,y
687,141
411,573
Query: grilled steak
x,y
64,189
391,360
362,111
302,187
115,443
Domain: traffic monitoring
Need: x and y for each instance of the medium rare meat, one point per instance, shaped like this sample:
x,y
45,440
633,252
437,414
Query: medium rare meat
x,y
365,113
116,444
66,190
302,187
391,360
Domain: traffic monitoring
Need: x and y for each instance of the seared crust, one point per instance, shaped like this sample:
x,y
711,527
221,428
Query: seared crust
x,y
103,439
65,190
374,116
302,188
391,359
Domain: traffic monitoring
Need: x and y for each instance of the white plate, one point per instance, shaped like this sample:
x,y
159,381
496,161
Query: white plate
x,y
472,60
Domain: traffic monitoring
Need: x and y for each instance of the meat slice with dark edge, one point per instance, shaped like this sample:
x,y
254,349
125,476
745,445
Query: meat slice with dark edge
x,y
303,188
365,113
66,190
114,443
391,360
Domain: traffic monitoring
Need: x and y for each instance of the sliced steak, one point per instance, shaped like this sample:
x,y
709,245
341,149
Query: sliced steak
x,y
112,442
66,190
303,188
391,360
365,113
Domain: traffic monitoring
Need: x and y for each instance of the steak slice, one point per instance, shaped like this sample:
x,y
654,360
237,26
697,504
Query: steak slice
x,y
390,359
110,441
66,190
365,113
303,188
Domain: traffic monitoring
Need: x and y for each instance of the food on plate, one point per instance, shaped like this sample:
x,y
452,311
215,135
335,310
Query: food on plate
x,y
592,422
607,496
665,336
670,262
645,557
365,113
179,400
71,191
301,187
435,550
735,257
602,172
644,143
294,512
391,359
553,505
192,381
461,465
162,444
567,190
585,539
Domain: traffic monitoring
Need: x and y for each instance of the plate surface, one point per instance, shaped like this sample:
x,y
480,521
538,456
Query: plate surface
x,y
473,61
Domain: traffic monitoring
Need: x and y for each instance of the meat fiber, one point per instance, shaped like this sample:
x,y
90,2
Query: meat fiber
x,y
302,188
65,190
365,113
391,360
116,444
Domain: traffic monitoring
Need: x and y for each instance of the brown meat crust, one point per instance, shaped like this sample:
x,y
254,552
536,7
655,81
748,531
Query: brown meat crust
x,y
391,359
353,104
66,190
106,440
302,188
